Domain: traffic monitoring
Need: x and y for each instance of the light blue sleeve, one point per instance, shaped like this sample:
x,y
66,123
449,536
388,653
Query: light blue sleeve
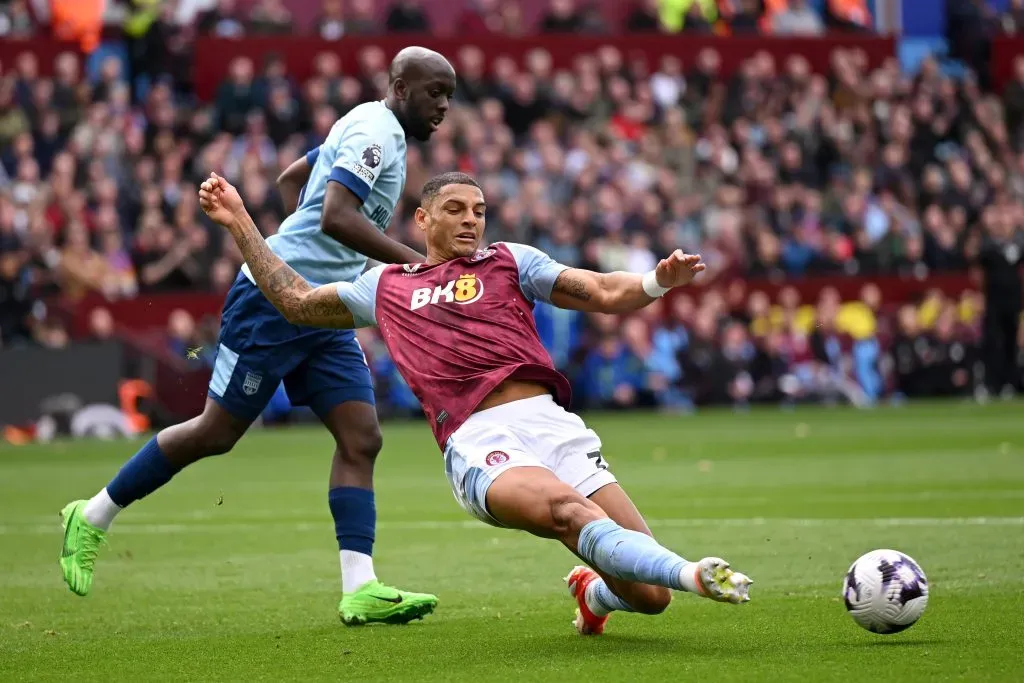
x,y
363,152
361,297
537,271
312,155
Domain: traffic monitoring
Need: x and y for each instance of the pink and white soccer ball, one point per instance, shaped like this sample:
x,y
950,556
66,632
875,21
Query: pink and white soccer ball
x,y
885,591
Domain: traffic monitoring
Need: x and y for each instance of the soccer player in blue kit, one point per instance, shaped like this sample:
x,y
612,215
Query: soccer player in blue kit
x,y
346,192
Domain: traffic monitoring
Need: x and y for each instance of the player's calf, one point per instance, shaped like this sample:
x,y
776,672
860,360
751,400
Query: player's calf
x,y
646,598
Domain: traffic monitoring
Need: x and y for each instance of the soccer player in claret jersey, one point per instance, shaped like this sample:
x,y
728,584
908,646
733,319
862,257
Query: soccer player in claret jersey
x,y
460,328
342,196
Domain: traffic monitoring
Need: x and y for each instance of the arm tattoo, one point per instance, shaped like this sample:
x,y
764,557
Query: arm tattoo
x,y
322,307
295,298
572,286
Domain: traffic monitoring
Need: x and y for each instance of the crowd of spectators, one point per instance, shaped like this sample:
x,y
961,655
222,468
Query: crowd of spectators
x,y
335,19
774,173
968,21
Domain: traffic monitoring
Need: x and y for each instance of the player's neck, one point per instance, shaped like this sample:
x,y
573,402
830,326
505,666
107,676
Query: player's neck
x,y
443,255
392,106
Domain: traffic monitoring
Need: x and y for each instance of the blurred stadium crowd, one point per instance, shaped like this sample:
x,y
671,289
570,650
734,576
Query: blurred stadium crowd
x,y
338,18
772,174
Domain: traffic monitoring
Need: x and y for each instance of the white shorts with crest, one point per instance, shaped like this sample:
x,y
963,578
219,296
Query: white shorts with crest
x,y
532,432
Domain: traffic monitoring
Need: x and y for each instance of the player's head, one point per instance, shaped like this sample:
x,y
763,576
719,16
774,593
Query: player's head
x,y
451,215
420,83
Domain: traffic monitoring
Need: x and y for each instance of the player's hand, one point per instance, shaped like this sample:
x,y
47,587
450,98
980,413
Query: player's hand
x,y
220,200
678,269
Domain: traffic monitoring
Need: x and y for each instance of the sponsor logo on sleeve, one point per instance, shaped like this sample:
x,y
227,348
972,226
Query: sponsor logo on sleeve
x,y
363,173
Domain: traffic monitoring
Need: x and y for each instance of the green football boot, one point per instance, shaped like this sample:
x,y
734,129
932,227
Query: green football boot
x,y
81,543
375,603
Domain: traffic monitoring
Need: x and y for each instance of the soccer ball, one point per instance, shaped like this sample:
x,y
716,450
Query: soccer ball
x,y
885,591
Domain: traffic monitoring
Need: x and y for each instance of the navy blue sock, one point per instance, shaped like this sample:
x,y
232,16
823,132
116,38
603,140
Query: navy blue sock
x,y
355,518
148,470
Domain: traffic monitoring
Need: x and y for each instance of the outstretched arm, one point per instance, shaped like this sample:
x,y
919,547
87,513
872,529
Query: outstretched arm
x,y
298,301
620,292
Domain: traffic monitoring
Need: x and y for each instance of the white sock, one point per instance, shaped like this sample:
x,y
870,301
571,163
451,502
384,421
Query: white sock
x,y
593,602
602,601
356,570
101,510
688,578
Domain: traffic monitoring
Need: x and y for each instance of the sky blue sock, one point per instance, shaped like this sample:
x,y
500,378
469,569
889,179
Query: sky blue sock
x,y
355,518
610,601
148,470
629,555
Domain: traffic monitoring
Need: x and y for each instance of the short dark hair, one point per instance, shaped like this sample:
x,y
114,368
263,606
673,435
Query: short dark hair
x,y
433,186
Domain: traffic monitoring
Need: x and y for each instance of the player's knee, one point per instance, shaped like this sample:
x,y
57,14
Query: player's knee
x,y
570,511
215,436
360,446
648,599
220,440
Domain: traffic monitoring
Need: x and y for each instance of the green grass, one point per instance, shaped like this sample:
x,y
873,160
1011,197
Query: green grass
x,y
231,573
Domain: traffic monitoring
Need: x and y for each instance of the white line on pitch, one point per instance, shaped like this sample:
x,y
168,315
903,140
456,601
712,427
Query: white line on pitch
x,y
127,527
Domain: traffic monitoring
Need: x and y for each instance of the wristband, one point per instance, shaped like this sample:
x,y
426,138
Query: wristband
x,y
651,286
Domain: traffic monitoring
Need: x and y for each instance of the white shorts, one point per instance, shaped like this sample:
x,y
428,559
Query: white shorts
x,y
532,432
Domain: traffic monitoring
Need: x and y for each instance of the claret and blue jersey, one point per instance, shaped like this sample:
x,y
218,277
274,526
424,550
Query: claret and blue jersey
x,y
365,152
458,329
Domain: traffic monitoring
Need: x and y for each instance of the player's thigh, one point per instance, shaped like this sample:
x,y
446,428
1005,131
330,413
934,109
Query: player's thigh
x,y
256,349
534,499
498,481
334,372
617,504
572,450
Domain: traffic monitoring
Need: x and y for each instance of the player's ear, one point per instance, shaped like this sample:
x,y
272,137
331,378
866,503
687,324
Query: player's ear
x,y
420,217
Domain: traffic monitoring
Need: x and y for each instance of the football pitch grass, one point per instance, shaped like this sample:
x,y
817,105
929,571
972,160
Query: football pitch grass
x,y
231,572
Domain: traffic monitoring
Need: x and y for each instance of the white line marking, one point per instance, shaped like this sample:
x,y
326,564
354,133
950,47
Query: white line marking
x,y
220,527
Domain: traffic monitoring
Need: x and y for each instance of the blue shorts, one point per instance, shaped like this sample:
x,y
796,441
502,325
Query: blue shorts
x,y
258,349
